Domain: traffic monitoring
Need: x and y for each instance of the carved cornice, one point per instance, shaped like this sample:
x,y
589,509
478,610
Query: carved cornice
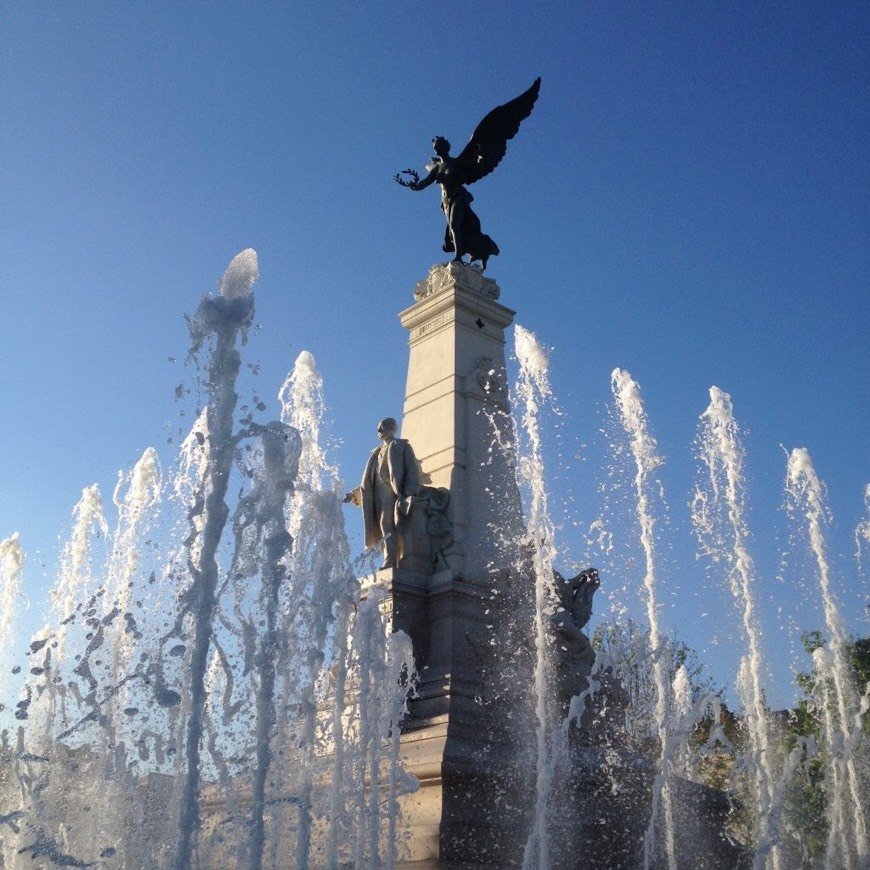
x,y
454,274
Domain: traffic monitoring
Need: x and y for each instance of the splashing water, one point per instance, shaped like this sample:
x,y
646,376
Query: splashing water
x,y
643,447
76,576
231,679
217,680
681,714
718,517
320,571
302,407
532,390
240,276
224,317
374,664
847,844
76,583
862,535
137,500
11,593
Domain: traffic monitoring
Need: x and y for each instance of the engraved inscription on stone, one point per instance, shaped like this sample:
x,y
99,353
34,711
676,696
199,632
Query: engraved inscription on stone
x,y
428,327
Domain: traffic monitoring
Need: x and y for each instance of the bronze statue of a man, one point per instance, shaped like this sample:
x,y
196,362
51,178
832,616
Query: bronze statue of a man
x,y
389,482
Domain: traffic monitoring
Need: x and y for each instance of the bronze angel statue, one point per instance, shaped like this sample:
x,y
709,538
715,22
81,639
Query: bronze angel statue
x,y
480,156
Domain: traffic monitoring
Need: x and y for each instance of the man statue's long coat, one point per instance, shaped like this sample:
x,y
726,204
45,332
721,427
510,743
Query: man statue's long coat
x,y
404,481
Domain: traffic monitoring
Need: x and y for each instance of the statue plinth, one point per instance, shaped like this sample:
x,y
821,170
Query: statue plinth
x,y
455,585
453,274
456,411
463,592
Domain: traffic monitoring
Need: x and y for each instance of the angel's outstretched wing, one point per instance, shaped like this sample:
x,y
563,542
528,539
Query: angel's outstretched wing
x,y
489,141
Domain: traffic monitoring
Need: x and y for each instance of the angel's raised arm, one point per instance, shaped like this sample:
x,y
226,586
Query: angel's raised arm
x,y
429,179
412,179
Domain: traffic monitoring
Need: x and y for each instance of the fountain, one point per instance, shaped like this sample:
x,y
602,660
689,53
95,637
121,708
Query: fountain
x,y
176,709
722,453
219,685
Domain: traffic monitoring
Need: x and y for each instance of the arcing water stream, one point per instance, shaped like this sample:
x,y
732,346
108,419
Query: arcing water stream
x,y
718,516
842,709
644,452
533,391
231,680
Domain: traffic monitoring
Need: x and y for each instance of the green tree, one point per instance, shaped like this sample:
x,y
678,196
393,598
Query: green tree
x,y
625,646
856,654
806,795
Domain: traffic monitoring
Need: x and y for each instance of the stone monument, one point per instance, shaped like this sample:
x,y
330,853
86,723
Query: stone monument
x,y
452,586
458,523
461,588
444,504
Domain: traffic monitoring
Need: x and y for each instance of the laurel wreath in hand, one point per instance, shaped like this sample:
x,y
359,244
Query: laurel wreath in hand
x,y
412,179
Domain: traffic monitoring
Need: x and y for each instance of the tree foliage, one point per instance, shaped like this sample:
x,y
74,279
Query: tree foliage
x,y
627,648
715,749
807,795
856,655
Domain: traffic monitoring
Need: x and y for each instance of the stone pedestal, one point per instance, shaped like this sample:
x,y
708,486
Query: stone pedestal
x,y
456,412
468,739
453,594
463,593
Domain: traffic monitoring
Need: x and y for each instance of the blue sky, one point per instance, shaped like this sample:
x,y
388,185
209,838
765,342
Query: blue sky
x,y
689,201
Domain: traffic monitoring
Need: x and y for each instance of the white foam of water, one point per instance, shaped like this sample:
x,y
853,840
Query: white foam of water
x,y
11,566
726,541
847,832
862,535
75,584
302,407
240,275
376,660
643,449
532,390
681,713
76,578
320,576
136,495
11,592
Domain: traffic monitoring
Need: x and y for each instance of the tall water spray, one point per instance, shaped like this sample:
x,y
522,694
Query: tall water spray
x,y
321,576
862,536
643,449
532,390
137,499
11,593
847,844
719,520
61,693
225,317
76,578
76,583
207,673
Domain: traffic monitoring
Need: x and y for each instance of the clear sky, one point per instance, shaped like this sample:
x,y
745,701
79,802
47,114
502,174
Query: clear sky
x,y
689,201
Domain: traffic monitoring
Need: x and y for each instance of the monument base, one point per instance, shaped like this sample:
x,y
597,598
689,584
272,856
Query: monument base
x,y
597,816
463,593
